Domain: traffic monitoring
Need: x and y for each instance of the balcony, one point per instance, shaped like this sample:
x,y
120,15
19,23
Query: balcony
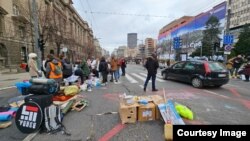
x,y
20,18
3,11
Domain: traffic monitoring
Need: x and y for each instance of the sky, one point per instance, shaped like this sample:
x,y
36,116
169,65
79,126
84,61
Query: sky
x,y
112,20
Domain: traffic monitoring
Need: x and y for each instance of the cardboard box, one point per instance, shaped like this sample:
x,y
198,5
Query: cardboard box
x,y
146,112
157,100
128,113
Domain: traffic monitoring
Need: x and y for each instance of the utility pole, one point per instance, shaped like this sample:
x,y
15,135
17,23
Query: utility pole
x,y
36,33
227,27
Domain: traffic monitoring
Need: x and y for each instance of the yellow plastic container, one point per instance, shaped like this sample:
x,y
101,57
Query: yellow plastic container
x,y
168,132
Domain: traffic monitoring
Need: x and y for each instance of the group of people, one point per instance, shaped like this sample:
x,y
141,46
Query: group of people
x,y
240,62
59,68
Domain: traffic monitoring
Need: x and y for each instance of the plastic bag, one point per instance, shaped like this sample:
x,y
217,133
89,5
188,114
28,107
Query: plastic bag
x,y
83,87
71,90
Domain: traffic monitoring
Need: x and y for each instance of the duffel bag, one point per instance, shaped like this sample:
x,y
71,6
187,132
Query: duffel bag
x,y
42,100
44,89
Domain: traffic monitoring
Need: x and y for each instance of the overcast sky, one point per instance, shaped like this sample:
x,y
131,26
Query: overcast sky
x,y
111,20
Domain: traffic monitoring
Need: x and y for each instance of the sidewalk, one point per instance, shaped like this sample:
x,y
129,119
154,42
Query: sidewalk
x,y
8,79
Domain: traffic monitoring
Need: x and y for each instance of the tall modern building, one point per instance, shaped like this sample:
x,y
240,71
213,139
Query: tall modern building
x,y
238,13
132,40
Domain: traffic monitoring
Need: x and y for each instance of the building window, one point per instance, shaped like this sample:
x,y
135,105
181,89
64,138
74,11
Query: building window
x,y
21,31
15,10
1,25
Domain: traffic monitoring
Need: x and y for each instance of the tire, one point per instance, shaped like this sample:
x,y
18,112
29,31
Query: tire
x,y
197,83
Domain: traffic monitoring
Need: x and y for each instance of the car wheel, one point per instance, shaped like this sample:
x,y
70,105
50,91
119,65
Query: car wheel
x,y
197,83
165,77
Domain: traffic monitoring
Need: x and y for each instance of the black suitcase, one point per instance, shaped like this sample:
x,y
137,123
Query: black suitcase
x,y
44,89
42,100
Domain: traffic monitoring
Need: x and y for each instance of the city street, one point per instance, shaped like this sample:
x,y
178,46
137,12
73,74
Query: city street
x,y
229,104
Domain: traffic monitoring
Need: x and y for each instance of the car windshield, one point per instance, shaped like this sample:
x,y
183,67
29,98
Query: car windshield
x,y
215,66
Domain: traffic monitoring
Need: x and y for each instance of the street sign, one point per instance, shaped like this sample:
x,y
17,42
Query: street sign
x,y
177,43
228,39
228,48
227,52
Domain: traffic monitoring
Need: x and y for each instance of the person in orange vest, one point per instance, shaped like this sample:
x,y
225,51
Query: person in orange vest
x,y
54,70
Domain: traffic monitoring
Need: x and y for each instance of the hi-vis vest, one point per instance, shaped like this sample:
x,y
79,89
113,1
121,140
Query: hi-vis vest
x,y
52,74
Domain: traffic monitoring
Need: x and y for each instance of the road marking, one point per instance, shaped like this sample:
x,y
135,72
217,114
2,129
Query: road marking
x,y
112,132
215,94
138,76
232,85
234,92
5,88
31,136
156,77
130,79
159,75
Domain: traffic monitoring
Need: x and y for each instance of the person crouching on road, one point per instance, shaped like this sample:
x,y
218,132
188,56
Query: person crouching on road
x,y
33,68
151,65
54,70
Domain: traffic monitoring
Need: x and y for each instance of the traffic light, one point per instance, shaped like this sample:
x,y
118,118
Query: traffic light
x,y
41,44
216,45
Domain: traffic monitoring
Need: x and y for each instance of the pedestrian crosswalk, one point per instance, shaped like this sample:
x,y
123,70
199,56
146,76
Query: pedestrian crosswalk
x,y
136,77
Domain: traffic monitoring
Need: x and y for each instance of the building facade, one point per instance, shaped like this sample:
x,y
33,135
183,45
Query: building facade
x,y
150,46
190,30
238,13
132,40
60,26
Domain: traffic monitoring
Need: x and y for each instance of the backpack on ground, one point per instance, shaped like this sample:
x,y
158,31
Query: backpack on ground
x,y
53,120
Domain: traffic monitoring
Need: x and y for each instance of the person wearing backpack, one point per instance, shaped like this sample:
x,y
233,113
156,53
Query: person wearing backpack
x,y
54,70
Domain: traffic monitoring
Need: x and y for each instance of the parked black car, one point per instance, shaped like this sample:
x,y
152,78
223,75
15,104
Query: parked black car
x,y
198,73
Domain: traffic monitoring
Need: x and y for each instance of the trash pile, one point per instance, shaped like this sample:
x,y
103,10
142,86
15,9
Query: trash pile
x,y
42,105
153,107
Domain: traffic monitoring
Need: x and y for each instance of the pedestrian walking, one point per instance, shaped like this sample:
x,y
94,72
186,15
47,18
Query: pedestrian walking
x,y
123,66
103,69
151,65
113,69
33,67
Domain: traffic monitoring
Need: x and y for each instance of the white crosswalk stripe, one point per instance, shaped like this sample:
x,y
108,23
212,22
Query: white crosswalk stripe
x,y
157,79
140,77
130,79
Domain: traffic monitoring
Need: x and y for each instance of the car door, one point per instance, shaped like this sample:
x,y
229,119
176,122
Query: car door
x,y
175,71
188,71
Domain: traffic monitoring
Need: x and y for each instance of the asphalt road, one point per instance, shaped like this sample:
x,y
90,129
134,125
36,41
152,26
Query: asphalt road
x,y
229,104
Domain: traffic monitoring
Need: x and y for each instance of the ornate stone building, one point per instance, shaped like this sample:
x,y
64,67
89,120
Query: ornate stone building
x,y
60,26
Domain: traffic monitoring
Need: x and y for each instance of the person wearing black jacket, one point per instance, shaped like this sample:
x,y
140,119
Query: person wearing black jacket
x,y
151,65
103,68
67,68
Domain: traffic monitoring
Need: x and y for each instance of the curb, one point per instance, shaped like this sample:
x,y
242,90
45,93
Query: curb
x,y
5,88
